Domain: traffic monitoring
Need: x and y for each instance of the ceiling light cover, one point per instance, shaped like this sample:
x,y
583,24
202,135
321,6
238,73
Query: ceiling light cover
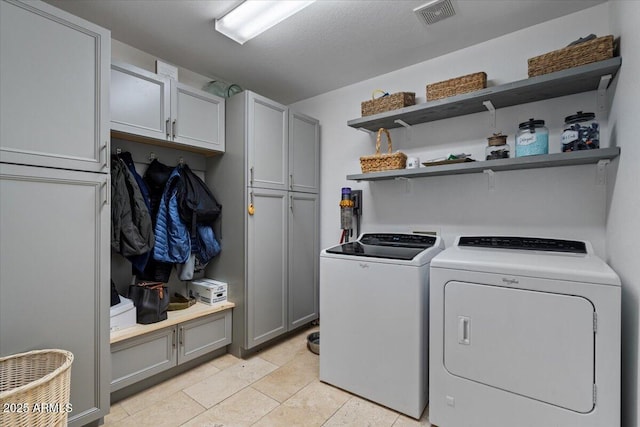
x,y
253,17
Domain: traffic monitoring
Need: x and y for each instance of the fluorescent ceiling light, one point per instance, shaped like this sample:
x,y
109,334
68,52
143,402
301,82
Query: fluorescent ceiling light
x,y
253,17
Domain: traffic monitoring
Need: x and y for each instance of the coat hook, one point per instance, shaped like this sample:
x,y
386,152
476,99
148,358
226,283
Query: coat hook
x,y
181,160
152,156
118,150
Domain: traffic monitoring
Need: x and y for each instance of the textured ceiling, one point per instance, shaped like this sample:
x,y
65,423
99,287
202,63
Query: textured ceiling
x,y
330,44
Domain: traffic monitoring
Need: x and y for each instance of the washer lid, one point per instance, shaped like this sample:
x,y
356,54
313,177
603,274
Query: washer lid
x,y
394,246
547,263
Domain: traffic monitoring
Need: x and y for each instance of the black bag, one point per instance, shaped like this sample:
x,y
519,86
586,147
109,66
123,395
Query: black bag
x,y
115,298
151,300
196,204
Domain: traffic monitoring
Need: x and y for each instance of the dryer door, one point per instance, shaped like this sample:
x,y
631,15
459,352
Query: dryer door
x,y
536,344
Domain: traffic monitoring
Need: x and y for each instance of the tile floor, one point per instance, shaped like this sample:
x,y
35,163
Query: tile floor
x,y
277,386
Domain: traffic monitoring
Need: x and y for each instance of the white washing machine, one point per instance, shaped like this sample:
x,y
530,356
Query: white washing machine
x,y
524,332
374,311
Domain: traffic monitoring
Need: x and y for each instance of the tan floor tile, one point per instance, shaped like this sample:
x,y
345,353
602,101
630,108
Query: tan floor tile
x,y
171,412
284,351
360,412
216,388
242,409
287,380
159,392
405,421
116,413
311,406
225,361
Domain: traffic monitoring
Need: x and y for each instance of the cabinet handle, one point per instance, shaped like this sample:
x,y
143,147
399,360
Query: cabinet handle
x,y
174,127
173,339
251,175
107,196
167,129
291,202
104,153
181,337
291,181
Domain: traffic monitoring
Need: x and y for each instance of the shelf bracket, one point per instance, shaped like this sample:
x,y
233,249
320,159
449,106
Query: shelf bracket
x,y
492,112
407,183
601,171
602,92
402,123
491,178
366,130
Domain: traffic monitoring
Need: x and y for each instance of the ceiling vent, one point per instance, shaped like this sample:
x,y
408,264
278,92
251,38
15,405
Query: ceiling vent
x,y
434,11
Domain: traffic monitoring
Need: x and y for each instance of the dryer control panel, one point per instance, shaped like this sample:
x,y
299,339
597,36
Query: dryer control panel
x,y
524,243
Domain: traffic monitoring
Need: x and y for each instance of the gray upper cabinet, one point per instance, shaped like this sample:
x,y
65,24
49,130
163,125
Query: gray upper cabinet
x,y
283,147
140,102
304,152
148,105
198,117
55,88
267,143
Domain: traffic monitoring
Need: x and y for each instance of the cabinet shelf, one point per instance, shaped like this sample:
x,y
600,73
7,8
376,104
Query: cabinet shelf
x,y
529,162
173,318
566,82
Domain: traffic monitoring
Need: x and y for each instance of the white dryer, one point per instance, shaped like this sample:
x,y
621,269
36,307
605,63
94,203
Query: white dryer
x,y
524,332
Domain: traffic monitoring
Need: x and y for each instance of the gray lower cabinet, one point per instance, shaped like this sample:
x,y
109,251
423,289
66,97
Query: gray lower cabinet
x,y
304,244
54,275
145,355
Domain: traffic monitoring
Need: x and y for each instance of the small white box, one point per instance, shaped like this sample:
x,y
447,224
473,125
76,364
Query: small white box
x,y
208,291
123,314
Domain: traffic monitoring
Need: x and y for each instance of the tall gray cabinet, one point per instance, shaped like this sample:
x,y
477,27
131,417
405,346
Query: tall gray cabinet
x,y
267,182
54,209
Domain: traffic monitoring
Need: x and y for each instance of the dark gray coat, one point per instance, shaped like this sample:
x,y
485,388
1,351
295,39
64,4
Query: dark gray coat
x,y
131,227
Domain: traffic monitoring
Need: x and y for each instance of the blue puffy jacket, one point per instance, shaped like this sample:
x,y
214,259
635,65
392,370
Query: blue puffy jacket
x,y
173,243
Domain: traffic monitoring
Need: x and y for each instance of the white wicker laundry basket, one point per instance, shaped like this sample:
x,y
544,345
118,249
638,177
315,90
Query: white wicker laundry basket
x,y
35,388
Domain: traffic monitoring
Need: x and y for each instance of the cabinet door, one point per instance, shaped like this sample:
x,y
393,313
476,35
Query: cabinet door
x,y
198,117
140,102
266,266
205,335
304,153
138,358
303,258
268,143
54,81
54,275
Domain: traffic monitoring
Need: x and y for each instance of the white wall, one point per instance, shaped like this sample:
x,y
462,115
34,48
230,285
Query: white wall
x,y
623,218
558,202
561,202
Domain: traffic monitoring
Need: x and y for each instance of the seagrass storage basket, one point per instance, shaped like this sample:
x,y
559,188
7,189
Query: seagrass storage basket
x,y
388,103
595,50
35,388
456,86
383,162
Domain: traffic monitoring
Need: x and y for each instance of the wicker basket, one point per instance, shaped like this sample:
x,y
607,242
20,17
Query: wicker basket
x,y
388,103
594,50
34,388
457,86
383,162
